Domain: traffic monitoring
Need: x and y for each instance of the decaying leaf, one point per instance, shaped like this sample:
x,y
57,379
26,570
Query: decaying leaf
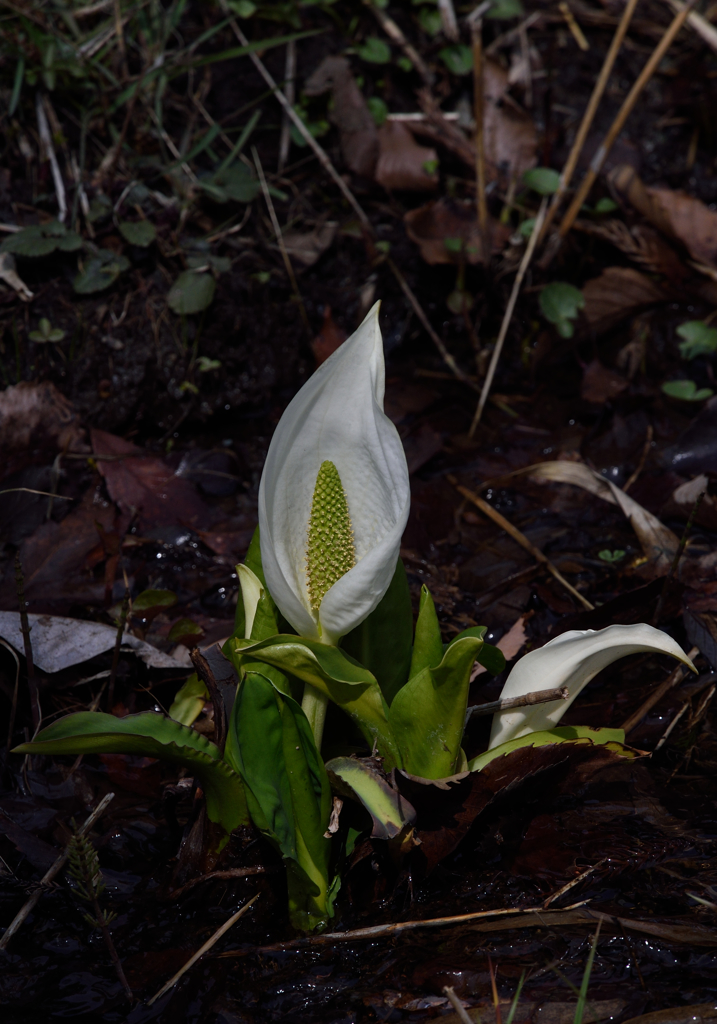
x,y
402,163
687,494
674,213
308,246
10,276
509,644
658,542
447,232
59,642
617,293
36,417
601,384
328,339
145,485
357,128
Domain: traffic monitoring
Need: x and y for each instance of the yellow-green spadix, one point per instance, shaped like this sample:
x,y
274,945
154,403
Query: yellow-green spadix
x,y
334,496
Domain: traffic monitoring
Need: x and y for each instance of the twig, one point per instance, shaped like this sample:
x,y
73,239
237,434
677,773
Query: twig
x,y
505,703
675,677
219,875
678,555
574,882
527,256
43,130
116,653
448,20
457,1005
31,490
205,673
25,628
394,32
666,734
625,110
382,930
576,31
478,115
418,310
52,872
280,239
643,458
589,115
699,23
521,539
289,92
203,949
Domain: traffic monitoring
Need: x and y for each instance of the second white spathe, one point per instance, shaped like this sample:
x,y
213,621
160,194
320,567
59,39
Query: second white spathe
x,y
337,416
571,660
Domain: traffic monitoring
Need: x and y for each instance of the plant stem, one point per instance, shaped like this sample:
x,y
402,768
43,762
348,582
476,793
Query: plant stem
x,y
101,924
314,706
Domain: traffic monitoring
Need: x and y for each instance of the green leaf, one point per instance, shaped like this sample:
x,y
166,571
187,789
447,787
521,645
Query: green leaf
x,y
379,110
686,390
526,227
236,182
151,602
457,58
428,645
46,333
288,793
611,556
427,715
189,701
374,51
100,271
151,735
41,240
491,658
560,303
429,18
382,643
612,738
389,811
503,9
700,340
185,631
140,232
543,180
605,205
191,293
342,679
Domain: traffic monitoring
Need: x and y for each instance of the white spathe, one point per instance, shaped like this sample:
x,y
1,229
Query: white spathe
x,y
571,660
337,416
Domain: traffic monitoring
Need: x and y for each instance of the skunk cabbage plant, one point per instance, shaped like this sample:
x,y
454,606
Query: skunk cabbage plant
x,y
324,618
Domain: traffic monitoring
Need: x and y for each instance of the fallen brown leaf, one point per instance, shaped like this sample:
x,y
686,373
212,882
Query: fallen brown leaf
x,y
402,162
431,225
329,338
143,484
36,417
676,214
617,293
308,246
509,644
601,384
357,129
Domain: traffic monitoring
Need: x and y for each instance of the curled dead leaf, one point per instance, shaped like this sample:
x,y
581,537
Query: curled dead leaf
x,y
328,339
36,417
617,293
357,128
308,246
402,162
600,384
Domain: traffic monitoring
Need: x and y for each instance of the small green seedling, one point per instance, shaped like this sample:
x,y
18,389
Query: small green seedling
x,y
46,332
560,304
611,556
205,364
504,9
700,340
458,58
379,110
543,180
374,51
686,390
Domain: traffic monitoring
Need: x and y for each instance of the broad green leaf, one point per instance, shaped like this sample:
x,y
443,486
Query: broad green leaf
x,y
605,205
428,714
151,602
99,272
378,108
686,390
429,18
151,735
700,340
389,811
382,643
457,58
288,792
427,645
560,303
191,293
504,9
41,240
253,562
491,658
140,232
543,180
374,51
612,738
236,183
335,674
187,632
189,701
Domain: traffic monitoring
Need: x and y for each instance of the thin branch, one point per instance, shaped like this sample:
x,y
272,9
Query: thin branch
x,y
675,677
394,32
43,129
289,92
506,703
478,115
